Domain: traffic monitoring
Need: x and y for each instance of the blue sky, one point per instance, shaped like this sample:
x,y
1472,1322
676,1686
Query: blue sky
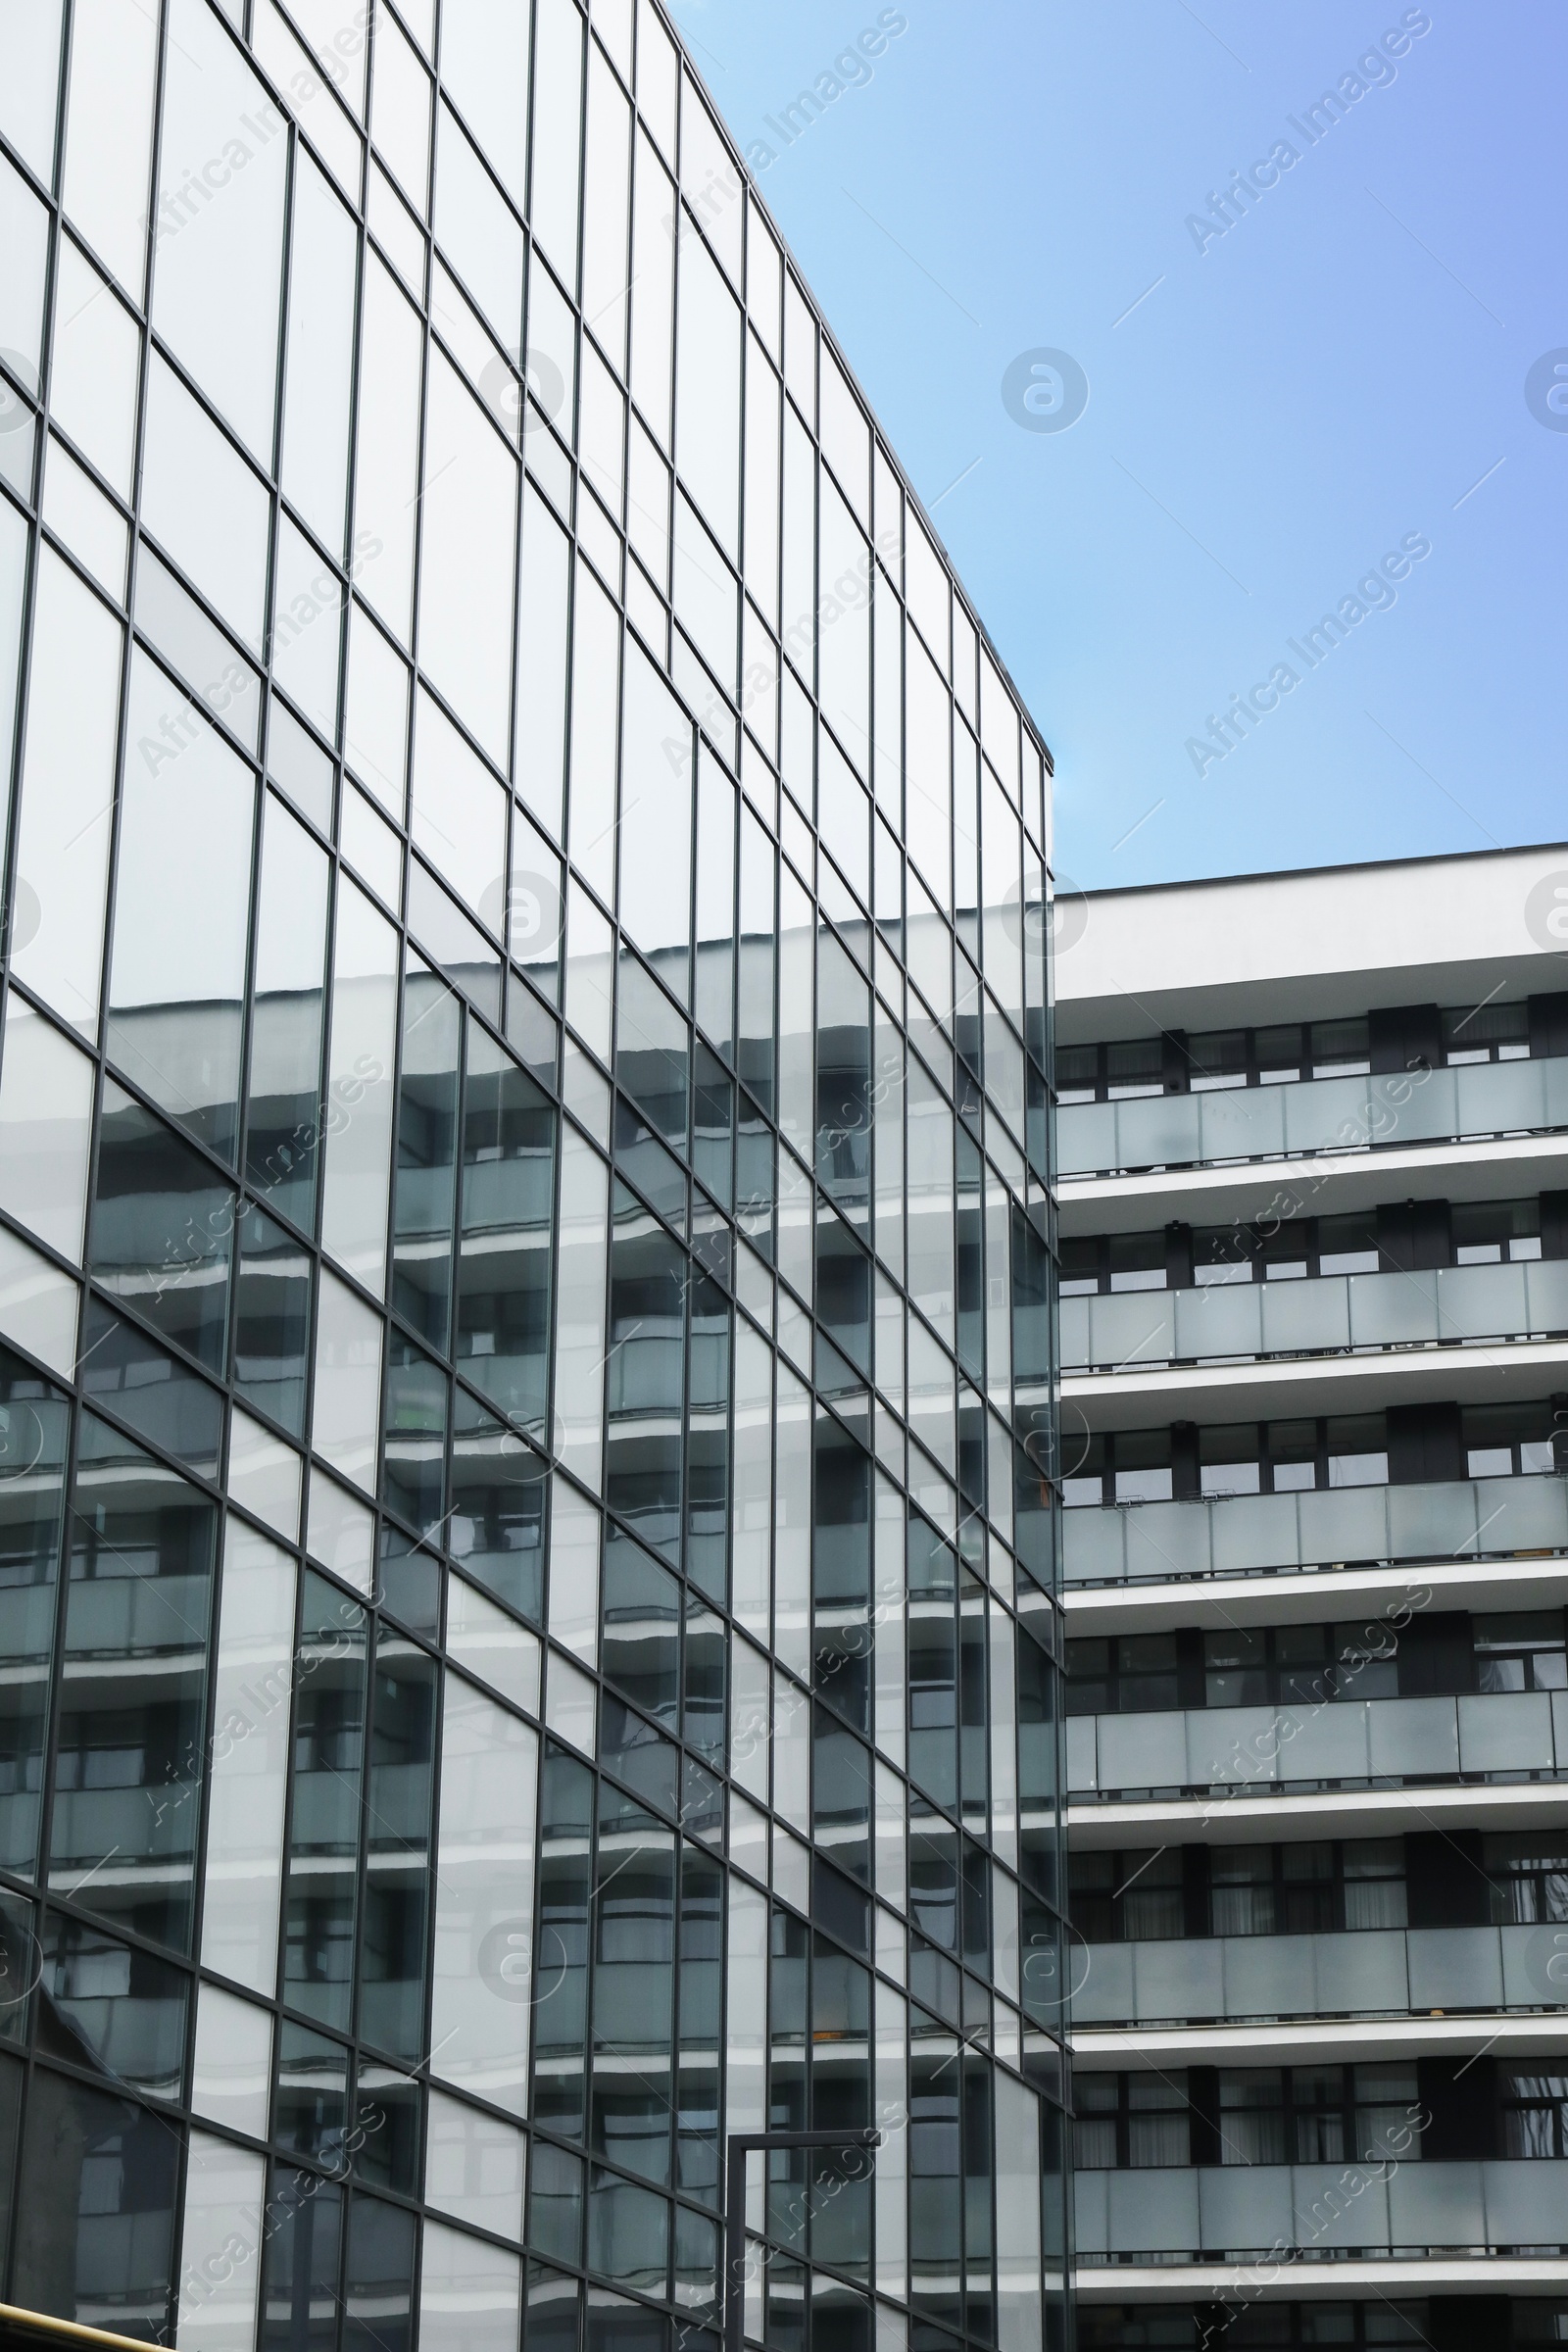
x,y
1271,410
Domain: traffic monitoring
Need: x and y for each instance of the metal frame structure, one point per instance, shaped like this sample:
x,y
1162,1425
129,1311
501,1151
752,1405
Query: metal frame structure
x,y
738,2147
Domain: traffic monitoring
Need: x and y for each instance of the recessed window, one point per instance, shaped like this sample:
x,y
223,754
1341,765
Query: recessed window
x,y
1080,1267
1340,1048
1508,1440
1143,1486
1489,1031
1357,1451
1535,2112
1229,1461
1135,1069
1490,1233
1077,1073
1348,1244
1526,1872
1286,1252
1137,1261
1218,1059
1521,1651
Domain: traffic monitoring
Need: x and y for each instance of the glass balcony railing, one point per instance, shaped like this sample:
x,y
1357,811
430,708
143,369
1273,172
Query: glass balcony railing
x,y
1335,1314
1342,1744
1372,1972
1249,1534
1321,1114
1376,2205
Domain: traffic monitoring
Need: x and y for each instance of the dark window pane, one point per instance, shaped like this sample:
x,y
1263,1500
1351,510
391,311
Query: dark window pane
x,y
696,2270
1474,1029
310,2116
397,1887
1278,1050
645,1376
618,2326
162,1228
843,1078
652,1051
10,2119
498,1500
1348,1244
842,1796
712,1125
1136,1064
128,1776
785,2322
555,2203
386,2135
1219,1052
109,2006
98,2247
936,2181
1357,1450
1339,1046
754,1183
628,2233
34,1432
841,1573
1080,1266
1284,1250
840,2209
283,1131
426,1159
708,1437
378,2277
642,1613
271,1320
509,1134
566,1896
934,1878
157,1393
633,2014
320,1897
844,1289
413,1461
1077,1068
1223,1254
1137,1261
705,1669
702,1952
933,1666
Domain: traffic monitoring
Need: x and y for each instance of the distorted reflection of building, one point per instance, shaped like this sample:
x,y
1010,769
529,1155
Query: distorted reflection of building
x,y
527,1551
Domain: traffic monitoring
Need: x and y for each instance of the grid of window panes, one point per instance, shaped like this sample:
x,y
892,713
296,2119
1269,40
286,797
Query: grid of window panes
x,y
1193,1062
1190,2327
529,1625
1222,1459
1457,1232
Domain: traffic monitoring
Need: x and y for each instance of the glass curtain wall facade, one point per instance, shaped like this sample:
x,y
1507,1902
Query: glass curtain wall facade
x,y
528,1598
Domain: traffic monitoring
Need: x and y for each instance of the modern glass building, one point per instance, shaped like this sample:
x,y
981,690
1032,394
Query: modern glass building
x,y
528,1618
1313,1145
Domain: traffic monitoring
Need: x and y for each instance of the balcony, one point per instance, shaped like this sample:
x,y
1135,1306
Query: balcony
x,y
1321,1114
1369,1971
1379,2208
1334,1316
1337,1743
1252,1534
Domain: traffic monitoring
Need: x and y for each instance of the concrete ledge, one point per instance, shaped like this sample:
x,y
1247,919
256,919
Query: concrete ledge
x,y
1313,1595
1328,2040
1335,1813
1318,2281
